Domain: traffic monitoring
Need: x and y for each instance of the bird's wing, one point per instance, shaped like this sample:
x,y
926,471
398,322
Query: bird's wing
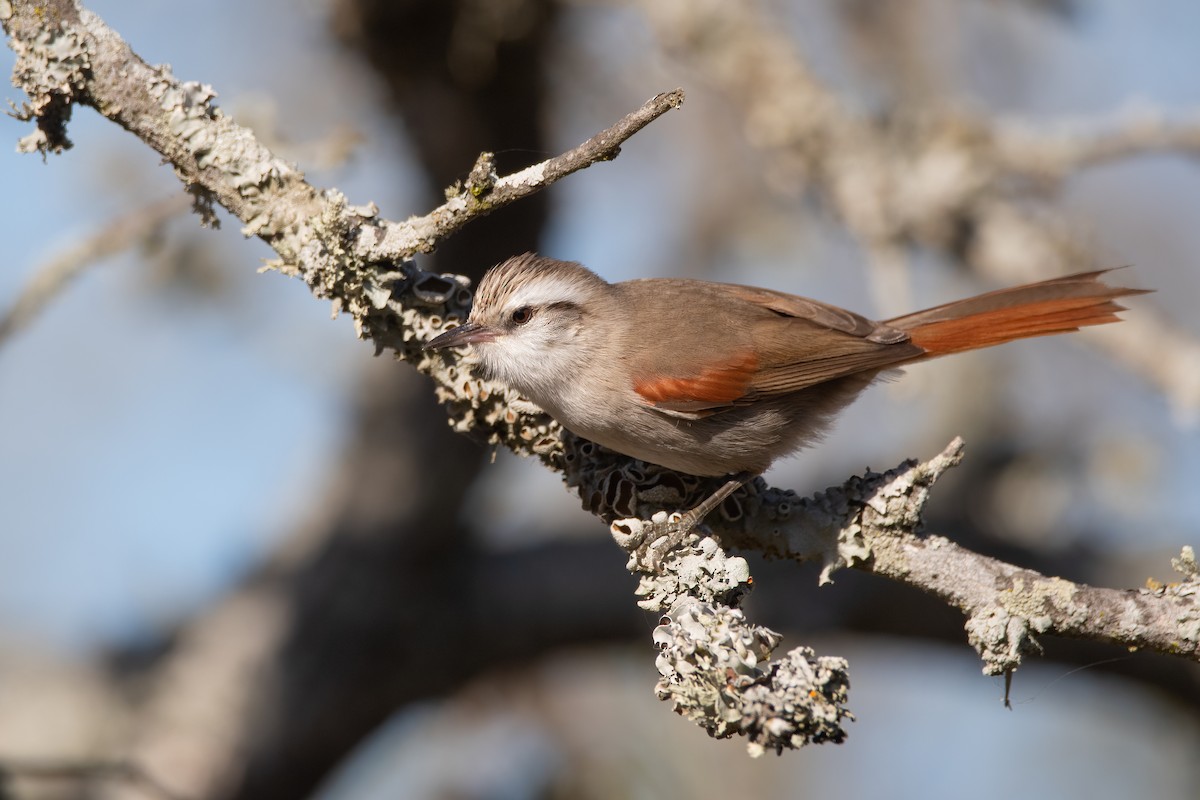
x,y
769,344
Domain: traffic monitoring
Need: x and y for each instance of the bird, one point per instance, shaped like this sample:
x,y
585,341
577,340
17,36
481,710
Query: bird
x,y
717,379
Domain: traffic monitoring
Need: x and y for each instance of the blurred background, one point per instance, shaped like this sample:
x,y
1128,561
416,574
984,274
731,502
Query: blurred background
x,y
240,552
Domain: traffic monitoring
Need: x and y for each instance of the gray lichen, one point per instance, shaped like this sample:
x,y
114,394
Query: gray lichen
x,y
215,143
51,68
715,665
696,570
1186,565
715,672
1187,619
1002,639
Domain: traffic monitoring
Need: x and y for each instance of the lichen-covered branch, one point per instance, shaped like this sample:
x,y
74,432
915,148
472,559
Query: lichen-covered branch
x,y
67,55
484,190
874,523
346,254
715,664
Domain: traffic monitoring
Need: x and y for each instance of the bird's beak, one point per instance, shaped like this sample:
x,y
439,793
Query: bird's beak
x,y
467,333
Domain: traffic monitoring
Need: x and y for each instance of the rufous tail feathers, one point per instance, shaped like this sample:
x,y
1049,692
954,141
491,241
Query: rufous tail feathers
x,y
1058,305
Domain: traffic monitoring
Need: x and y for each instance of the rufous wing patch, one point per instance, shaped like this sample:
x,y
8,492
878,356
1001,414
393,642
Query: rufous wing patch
x,y
712,387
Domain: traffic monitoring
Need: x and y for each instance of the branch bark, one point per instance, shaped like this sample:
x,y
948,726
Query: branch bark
x,y
874,523
485,191
878,524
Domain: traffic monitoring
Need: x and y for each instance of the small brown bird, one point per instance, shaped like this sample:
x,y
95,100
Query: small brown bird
x,y
718,379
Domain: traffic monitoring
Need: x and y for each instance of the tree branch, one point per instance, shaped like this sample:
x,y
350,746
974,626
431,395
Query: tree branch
x,y
116,236
90,773
872,523
877,520
485,191
1059,153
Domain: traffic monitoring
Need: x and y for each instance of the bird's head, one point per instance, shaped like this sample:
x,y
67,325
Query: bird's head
x,y
534,323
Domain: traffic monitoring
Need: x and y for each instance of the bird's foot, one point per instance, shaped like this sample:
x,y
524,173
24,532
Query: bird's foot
x,y
651,543
657,540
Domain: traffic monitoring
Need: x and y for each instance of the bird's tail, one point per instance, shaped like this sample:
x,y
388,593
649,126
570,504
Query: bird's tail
x,y
1058,305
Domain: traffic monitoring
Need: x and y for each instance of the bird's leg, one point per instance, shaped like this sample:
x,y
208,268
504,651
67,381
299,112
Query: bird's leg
x,y
665,537
709,504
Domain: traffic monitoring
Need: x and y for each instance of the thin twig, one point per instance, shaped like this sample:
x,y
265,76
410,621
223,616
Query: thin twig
x,y
88,771
52,278
1057,152
484,192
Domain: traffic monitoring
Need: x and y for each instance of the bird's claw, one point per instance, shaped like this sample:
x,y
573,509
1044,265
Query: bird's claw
x,y
661,538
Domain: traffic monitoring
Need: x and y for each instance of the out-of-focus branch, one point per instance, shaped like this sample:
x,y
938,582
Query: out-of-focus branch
x,y
937,178
1164,354
92,774
51,278
128,231
1048,153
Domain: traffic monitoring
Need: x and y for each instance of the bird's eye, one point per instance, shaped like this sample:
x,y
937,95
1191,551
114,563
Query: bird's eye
x,y
522,315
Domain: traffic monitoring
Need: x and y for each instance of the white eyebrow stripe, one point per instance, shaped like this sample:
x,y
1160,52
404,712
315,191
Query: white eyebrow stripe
x,y
547,290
